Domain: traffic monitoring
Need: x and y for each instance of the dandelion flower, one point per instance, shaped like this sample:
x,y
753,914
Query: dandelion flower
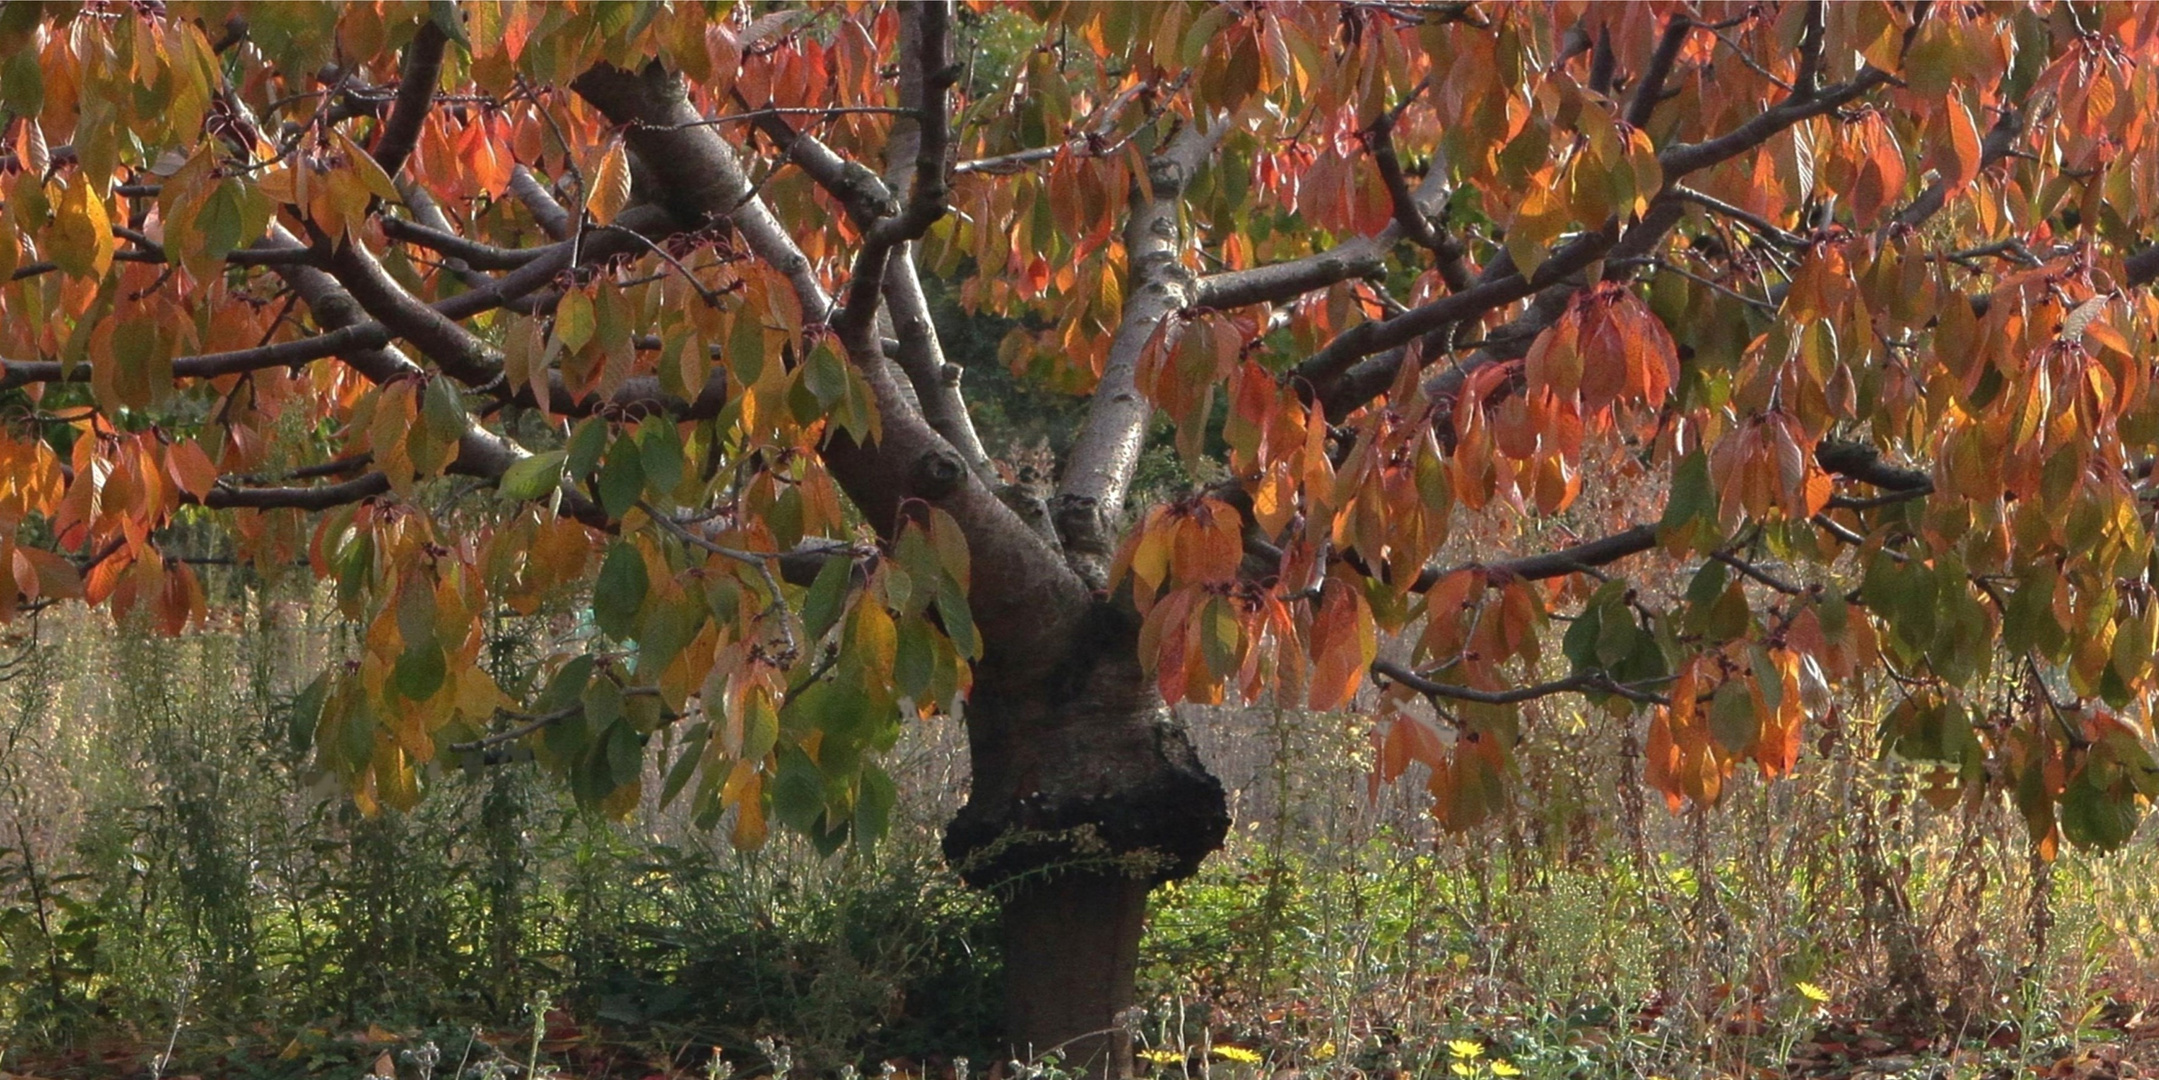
x,y
1812,993
1238,1054
1465,1048
1324,1052
1162,1057
1503,1067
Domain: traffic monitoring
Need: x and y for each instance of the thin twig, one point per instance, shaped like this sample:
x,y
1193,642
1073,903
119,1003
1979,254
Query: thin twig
x,y
1590,682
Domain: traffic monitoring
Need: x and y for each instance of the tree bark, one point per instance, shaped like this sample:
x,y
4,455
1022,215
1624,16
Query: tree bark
x,y
1086,794
1071,954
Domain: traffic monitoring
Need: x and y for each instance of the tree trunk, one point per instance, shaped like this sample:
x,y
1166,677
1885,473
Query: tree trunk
x,y
1086,793
1071,955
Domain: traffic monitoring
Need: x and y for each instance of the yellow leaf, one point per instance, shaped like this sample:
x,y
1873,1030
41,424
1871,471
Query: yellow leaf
x,y
362,163
610,185
82,232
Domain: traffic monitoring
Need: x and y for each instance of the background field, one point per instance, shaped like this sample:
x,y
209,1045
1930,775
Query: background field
x,y
174,878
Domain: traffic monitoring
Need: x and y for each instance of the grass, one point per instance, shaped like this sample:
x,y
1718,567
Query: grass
x,y
179,894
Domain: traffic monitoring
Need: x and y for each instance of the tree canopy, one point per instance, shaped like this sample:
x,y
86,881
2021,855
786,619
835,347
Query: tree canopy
x,y
1724,366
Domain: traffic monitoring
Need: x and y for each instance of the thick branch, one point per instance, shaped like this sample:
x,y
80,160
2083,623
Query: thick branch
x,y
1323,368
321,497
2142,268
1862,462
917,350
480,452
1326,369
454,349
415,96
548,214
1023,599
1362,256
1099,469
1575,559
1276,283
1678,161
922,357
1409,217
924,34
471,253
1650,89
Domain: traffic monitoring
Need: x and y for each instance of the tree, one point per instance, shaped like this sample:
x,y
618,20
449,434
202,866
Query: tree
x,y
1824,323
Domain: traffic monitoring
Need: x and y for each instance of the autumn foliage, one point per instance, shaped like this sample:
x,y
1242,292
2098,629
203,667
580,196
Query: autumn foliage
x,y
1739,371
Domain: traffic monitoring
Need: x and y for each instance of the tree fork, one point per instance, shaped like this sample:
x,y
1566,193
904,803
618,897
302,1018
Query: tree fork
x,y
1085,791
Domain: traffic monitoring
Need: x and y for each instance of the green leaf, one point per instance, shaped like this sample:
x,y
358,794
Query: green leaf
x,y
1692,497
668,629
1219,635
221,221
824,374
22,82
1768,678
603,706
785,517
1579,645
875,795
1616,632
358,732
533,477
661,455
687,755
2095,817
619,592
307,714
625,755
959,620
420,670
585,445
827,595
746,349
622,479
1732,722
798,791
760,727
567,687
914,662
574,320
441,410
1703,591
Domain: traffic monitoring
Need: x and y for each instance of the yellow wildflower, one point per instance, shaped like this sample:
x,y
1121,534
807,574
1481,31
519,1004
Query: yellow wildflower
x,y
1812,993
1503,1067
1238,1054
1162,1057
1465,1048
1324,1051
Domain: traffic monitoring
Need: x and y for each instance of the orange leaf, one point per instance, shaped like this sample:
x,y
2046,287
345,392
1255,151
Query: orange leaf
x,y
610,185
1344,641
191,468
